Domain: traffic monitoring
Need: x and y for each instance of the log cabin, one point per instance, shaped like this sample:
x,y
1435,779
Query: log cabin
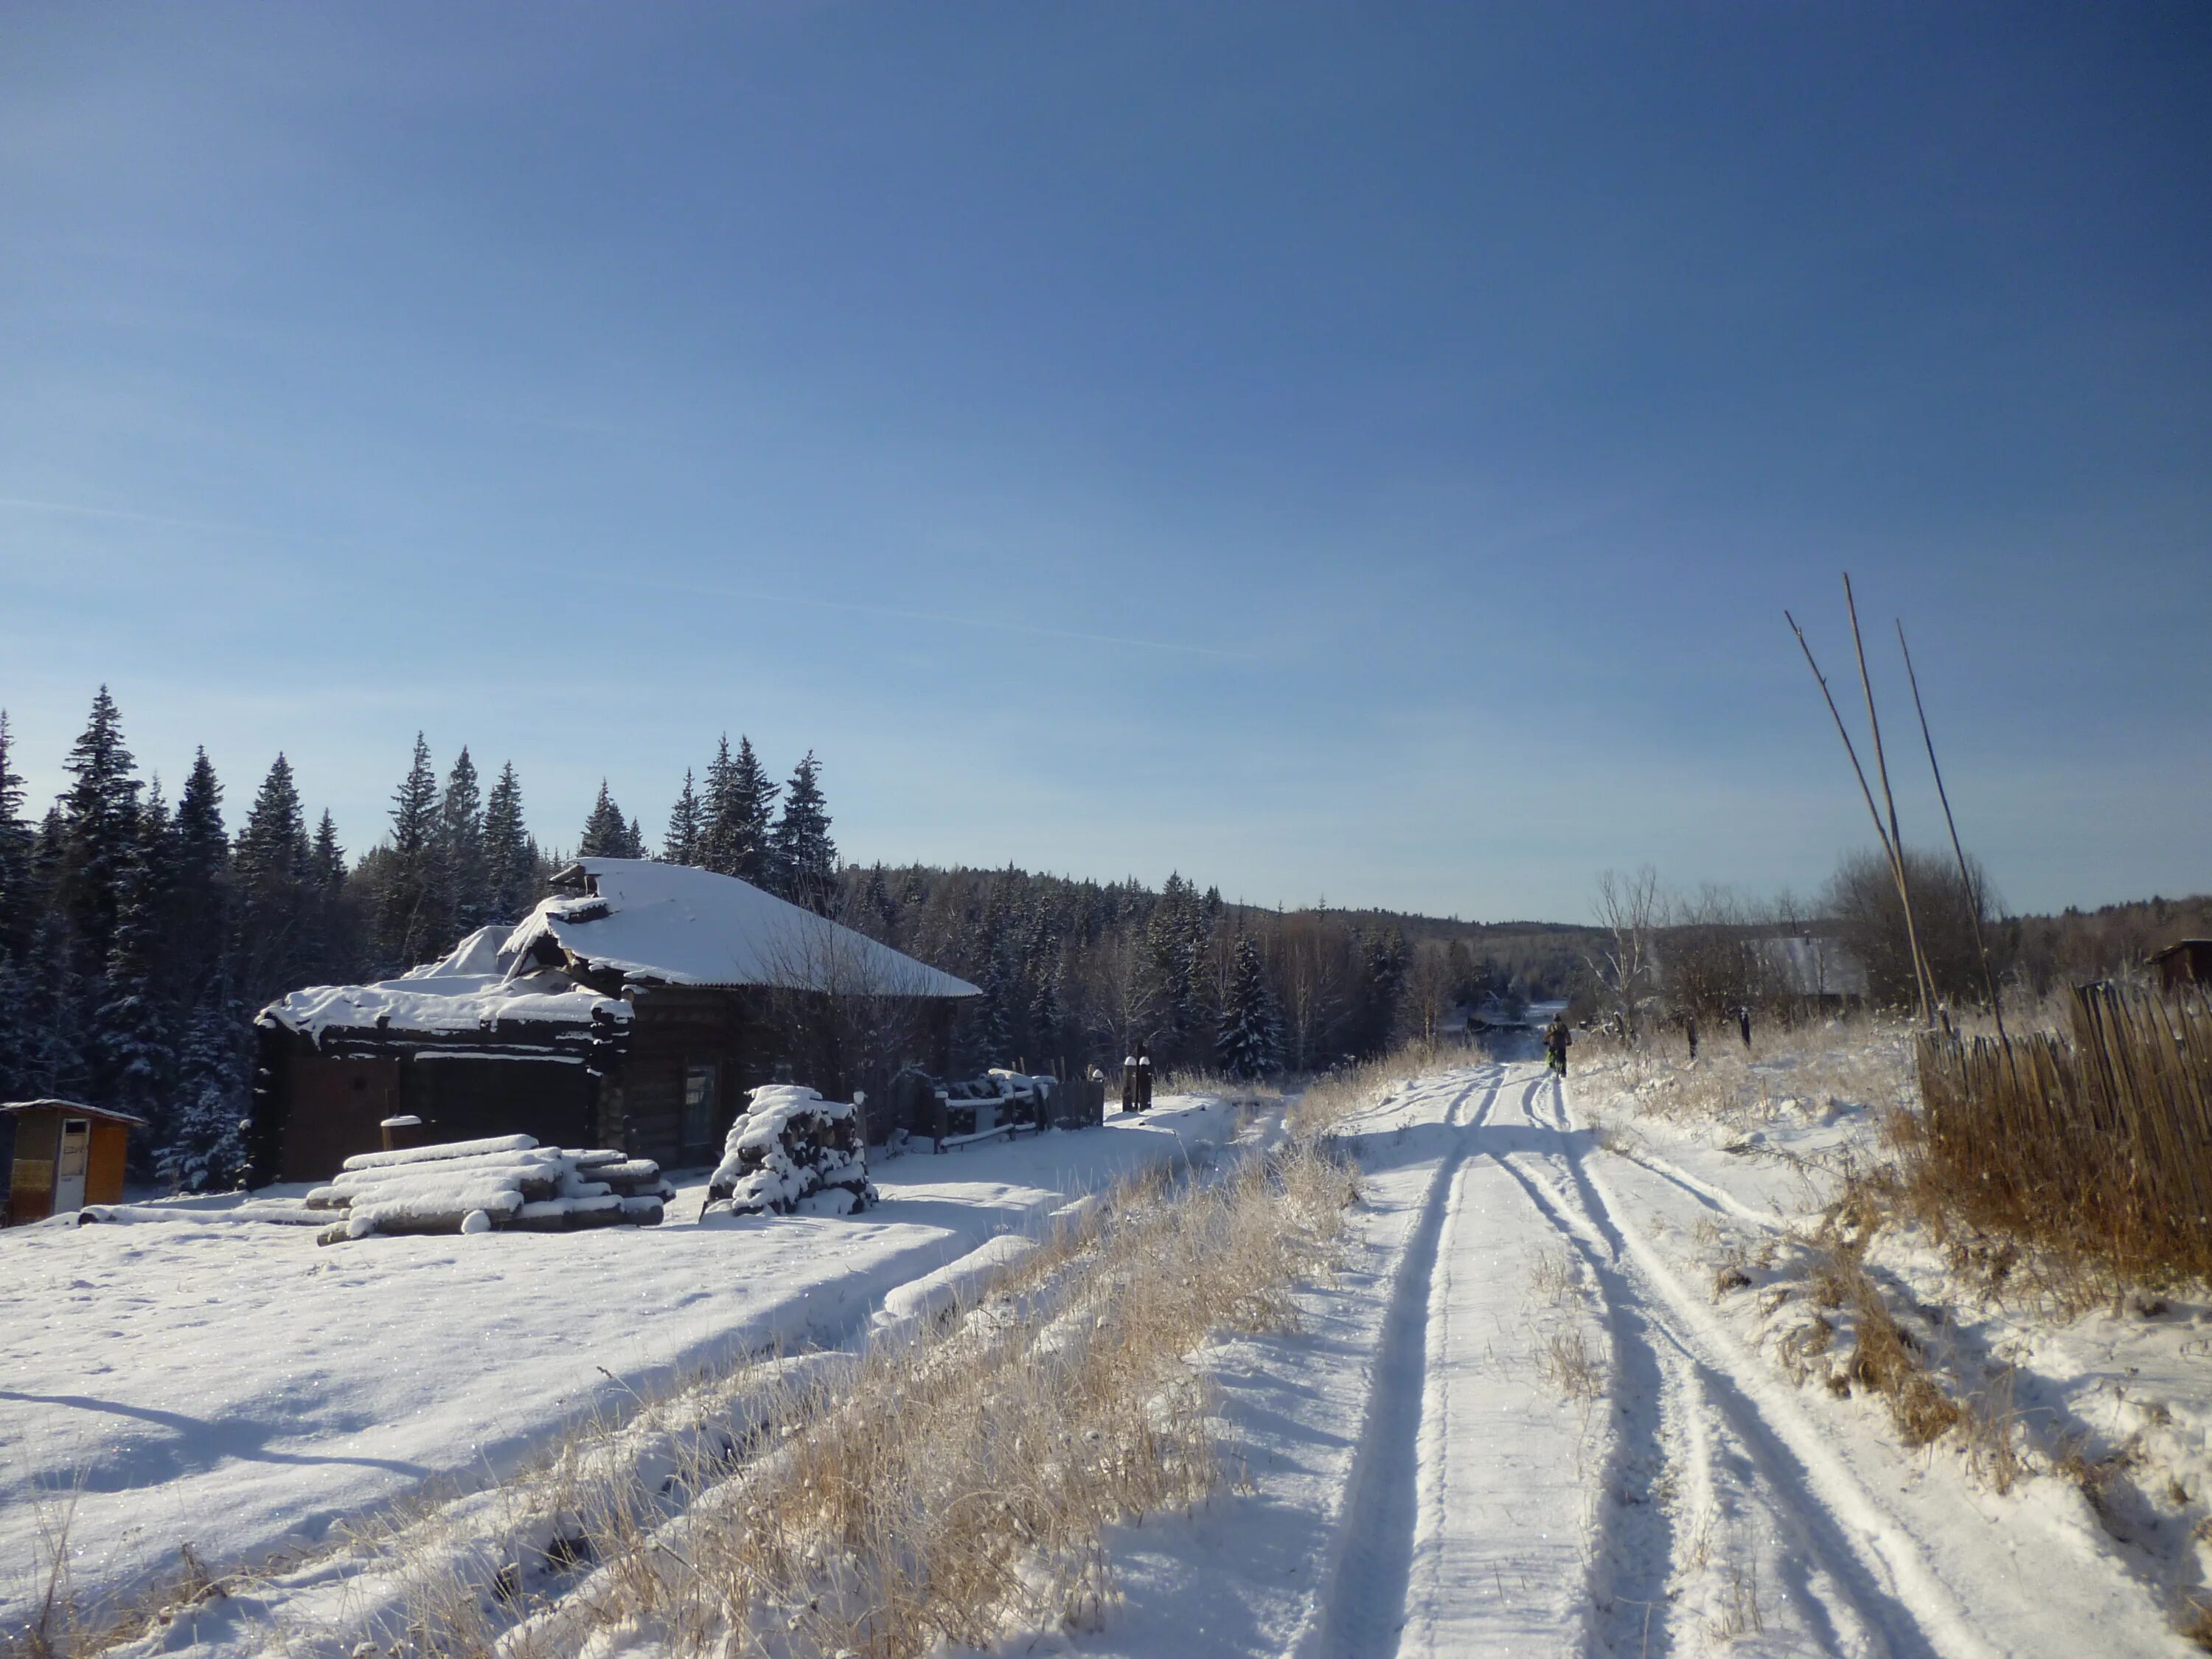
x,y
631,1010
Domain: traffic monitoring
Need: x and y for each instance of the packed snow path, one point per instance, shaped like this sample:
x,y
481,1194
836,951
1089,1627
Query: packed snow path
x,y
1564,1449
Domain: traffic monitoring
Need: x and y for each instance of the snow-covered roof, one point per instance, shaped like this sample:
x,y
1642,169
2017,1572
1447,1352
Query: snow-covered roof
x,y
678,926
1813,966
473,990
74,1109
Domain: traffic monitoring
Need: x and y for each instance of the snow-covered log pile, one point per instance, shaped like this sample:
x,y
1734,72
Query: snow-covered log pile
x,y
475,1186
792,1150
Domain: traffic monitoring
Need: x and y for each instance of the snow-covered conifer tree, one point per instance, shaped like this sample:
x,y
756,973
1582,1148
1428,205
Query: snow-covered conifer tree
x,y
682,843
204,1149
510,855
1250,1043
739,810
271,866
805,857
19,918
409,928
461,861
606,832
98,835
195,927
135,1064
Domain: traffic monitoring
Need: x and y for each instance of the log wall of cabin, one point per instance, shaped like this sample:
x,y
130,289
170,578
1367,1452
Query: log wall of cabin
x,y
672,1030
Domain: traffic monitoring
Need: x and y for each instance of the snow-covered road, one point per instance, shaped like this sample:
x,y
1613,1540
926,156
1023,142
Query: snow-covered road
x,y
1564,1447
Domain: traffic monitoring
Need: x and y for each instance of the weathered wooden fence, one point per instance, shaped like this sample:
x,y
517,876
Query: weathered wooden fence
x,y
2100,1140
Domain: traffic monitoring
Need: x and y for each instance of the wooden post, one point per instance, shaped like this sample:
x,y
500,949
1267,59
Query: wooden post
x,y
1966,880
1858,771
1920,977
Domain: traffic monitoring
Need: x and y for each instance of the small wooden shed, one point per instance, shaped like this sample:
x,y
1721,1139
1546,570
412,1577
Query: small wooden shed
x,y
2187,964
65,1157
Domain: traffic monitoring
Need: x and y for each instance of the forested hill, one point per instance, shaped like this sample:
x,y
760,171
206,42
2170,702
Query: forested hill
x,y
140,934
1075,969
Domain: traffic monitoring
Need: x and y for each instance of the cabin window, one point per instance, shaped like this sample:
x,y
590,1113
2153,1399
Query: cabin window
x,y
699,1104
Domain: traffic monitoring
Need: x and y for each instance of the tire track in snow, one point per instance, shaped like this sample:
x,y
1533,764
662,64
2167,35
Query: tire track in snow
x,y
1636,1545
1364,1608
1840,1541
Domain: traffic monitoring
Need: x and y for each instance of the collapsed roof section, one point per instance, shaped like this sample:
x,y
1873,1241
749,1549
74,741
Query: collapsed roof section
x,y
622,922
478,988
669,924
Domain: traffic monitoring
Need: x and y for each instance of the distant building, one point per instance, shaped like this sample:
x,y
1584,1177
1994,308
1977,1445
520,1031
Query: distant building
x,y
1810,968
2187,964
632,1011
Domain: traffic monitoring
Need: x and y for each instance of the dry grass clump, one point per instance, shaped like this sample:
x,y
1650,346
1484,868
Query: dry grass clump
x,y
1570,1364
1864,1060
941,1492
61,1625
1237,1091
2096,1144
1886,1358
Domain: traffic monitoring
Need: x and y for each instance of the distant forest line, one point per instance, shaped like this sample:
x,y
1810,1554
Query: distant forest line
x,y
140,935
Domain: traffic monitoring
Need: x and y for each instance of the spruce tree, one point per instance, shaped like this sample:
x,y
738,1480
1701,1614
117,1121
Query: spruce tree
x,y
19,919
1046,1015
606,833
133,1063
196,931
737,836
204,1149
634,840
462,861
99,834
408,928
510,856
16,917
755,794
1379,996
805,857
721,817
57,1058
1249,1044
270,862
330,957
681,844
877,903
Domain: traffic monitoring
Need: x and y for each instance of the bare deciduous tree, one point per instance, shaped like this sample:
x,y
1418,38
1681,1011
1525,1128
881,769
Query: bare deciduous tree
x,y
1626,964
1431,986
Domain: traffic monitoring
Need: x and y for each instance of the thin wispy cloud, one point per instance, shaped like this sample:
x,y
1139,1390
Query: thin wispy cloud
x,y
946,618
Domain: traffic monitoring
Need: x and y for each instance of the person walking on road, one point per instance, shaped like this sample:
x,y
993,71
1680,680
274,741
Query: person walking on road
x,y
1557,1038
1743,1019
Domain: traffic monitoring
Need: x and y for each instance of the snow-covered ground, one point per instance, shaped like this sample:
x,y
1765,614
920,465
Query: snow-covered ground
x,y
236,1388
1527,1419
1565,1396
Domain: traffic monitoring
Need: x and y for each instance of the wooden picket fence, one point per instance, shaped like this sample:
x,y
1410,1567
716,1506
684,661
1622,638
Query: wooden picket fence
x,y
2099,1142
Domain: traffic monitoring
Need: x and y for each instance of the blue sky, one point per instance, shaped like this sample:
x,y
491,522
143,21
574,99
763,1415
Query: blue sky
x,y
1359,452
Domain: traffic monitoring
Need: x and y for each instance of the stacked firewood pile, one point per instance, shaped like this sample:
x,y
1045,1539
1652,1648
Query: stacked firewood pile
x,y
476,1186
792,1150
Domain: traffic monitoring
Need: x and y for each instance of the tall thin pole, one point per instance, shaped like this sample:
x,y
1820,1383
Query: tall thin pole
x,y
1843,732
1922,981
1965,877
